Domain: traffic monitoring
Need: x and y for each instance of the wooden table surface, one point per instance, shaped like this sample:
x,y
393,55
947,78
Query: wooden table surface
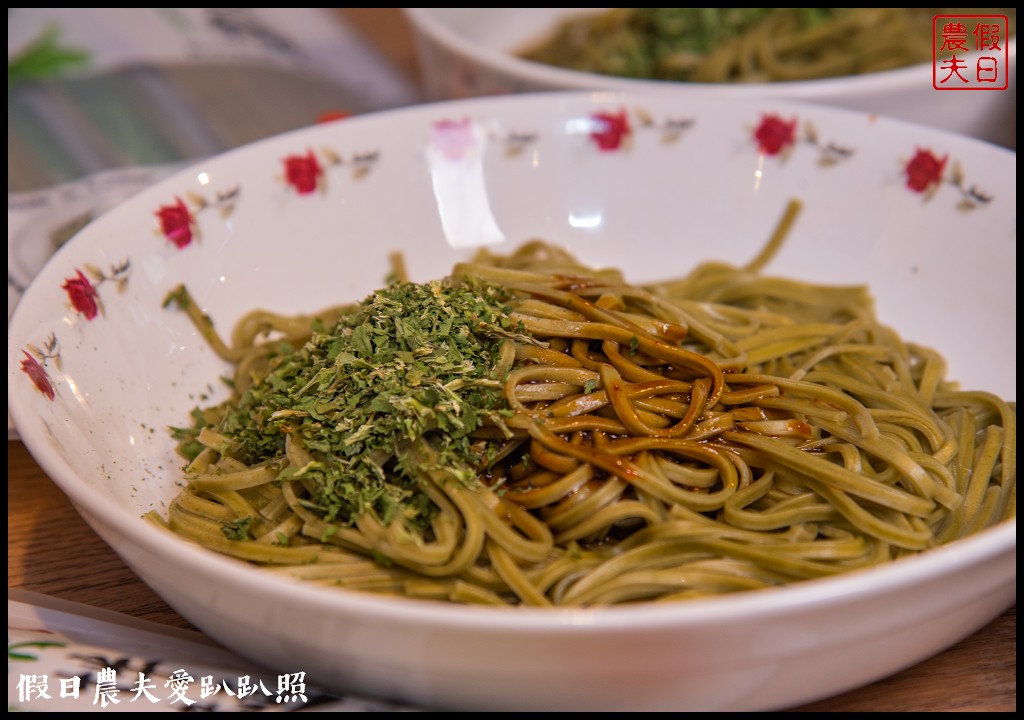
x,y
51,550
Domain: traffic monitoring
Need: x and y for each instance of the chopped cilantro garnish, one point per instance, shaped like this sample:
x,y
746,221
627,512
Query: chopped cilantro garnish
x,y
410,364
237,529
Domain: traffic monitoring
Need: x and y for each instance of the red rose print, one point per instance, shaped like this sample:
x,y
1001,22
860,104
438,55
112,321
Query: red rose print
x,y
924,170
82,295
303,172
774,134
176,223
31,367
610,130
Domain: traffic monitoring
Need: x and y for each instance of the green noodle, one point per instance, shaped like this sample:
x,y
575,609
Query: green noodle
x,y
718,45
722,432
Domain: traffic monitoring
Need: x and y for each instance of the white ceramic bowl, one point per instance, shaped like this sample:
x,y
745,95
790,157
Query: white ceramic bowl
x,y
96,376
468,52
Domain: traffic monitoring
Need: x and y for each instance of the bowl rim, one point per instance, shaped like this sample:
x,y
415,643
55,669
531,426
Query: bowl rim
x,y
992,542
427,23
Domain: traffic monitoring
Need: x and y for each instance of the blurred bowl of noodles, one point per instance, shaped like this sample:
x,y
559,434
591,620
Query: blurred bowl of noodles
x,y
552,401
876,60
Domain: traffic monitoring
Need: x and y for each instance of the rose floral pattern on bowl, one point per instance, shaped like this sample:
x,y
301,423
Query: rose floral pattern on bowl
x,y
83,291
926,173
776,135
307,172
179,224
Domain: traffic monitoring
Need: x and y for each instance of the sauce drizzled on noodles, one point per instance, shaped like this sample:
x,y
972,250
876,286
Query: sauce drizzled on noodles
x,y
532,431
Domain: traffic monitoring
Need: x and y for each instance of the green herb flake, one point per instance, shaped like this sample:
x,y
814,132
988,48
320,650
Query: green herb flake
x,y
402,376
238,529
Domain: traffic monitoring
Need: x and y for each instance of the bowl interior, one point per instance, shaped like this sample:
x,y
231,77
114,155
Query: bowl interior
x,y
99,369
